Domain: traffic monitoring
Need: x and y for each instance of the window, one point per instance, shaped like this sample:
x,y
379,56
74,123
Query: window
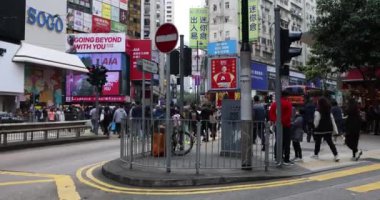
x,y
169,11
214,20
158,24
168,7
215,35
227,34
226,18
263,41
227,5
215,7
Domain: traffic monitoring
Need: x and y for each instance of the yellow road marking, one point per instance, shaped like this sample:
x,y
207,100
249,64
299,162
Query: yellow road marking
x,y
141,191
343,173
96,183
365,188
25,182
65,185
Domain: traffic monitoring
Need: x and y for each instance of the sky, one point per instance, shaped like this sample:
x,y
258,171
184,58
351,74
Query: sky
x,y
182,10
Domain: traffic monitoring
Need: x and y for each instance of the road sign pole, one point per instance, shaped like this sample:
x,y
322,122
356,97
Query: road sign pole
x,y
143,112
167,127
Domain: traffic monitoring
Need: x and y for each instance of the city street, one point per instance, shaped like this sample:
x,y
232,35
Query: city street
x,y
71,171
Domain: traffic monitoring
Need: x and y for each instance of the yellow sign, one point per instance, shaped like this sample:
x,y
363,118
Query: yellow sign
x,y
106,11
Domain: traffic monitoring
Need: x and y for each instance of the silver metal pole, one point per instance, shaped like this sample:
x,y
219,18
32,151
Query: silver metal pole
x,y
143,113
167,126
198,149
197,77
246,88
278,86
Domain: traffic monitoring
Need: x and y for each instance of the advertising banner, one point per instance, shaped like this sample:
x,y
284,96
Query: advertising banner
x,y
253,22
115,3
198,27
115,13
112,61
78,20
123,16
124,4
87,23
112,99
118,27
78,86
138,49
259,75
222,48
112,87
223,74
97,8
70,18
95,43
100,25
106,1
106,11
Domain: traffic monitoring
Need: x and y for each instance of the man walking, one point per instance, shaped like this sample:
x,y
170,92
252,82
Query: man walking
x,y
118,117
286,111
258,117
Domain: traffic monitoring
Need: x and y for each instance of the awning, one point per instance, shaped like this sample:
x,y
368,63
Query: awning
x,y
43,56
355,75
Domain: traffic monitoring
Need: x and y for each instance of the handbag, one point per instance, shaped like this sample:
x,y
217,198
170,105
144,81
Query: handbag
x,y
113,126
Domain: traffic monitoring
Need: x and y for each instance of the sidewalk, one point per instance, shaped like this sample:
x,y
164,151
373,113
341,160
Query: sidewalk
x,y
158,177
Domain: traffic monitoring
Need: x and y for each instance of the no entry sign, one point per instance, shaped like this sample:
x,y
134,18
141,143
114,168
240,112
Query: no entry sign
x,y
166,37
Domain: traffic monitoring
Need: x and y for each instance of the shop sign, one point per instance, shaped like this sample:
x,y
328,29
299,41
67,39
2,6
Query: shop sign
x,y
95,42
118,27
259,76
106,11
43,19
223,74
222,48
138,49
124,4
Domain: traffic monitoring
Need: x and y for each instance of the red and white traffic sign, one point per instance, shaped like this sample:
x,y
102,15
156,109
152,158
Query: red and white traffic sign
x,y
166,37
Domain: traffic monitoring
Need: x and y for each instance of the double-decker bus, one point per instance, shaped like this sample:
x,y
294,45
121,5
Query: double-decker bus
x,y
299,94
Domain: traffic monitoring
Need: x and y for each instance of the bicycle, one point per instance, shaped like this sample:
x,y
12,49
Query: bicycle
x,y
182,142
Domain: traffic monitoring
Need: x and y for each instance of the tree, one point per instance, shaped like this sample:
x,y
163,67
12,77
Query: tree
x,y
346,34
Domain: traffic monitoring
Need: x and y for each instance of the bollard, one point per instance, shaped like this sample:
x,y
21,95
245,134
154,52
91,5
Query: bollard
x,y
122,136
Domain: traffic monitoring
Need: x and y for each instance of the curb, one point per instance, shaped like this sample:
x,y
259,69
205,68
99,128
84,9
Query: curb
x,y
37,143
115,171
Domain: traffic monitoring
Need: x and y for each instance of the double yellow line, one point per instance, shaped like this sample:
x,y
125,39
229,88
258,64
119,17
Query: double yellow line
x,y
90,180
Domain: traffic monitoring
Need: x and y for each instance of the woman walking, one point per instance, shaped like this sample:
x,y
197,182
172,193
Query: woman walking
x,y
353,124
324,124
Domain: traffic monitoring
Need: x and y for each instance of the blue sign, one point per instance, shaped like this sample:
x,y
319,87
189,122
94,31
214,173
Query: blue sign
x,y
259,75
222,48
44,19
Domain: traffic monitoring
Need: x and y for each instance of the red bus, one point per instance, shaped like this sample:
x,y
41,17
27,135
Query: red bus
x,y
299,94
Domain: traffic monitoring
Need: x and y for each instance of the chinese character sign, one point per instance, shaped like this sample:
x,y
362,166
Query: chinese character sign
x,y
253,22
259,75
223,74
138,49
198,27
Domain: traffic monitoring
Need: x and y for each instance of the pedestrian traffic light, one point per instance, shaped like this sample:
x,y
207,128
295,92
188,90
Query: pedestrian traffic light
x,y
286,39
174,62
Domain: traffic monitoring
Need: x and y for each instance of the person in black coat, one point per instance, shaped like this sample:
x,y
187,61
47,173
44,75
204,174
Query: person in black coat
x,y
353,123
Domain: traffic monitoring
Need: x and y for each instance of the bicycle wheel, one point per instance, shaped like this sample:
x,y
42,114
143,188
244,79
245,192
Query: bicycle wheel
x,y
182,143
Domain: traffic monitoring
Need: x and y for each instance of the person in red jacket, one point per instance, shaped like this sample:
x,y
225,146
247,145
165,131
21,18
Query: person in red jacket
x,y
286,115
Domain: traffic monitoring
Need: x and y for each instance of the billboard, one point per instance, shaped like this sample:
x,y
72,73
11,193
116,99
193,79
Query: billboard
x,y
106,11
199,27
123,4
97,8
138,49
112,61
223,74
78,86
95,43
222,48
100,25
259,76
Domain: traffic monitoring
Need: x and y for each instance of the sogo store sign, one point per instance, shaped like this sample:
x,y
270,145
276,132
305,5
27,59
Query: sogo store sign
x,y
99,42
43,19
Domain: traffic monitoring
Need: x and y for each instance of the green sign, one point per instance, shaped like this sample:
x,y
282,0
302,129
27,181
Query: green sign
x,y
199,27
253,22
118,27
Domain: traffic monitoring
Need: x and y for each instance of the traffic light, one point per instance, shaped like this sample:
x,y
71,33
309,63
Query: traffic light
x,y
174,62
286,39
97,76
187,59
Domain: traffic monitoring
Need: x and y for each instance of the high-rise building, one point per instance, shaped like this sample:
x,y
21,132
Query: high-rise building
x,y
296,15
169,11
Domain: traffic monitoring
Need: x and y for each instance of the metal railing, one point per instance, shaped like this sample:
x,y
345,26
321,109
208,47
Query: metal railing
x,y
24,133
195,145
